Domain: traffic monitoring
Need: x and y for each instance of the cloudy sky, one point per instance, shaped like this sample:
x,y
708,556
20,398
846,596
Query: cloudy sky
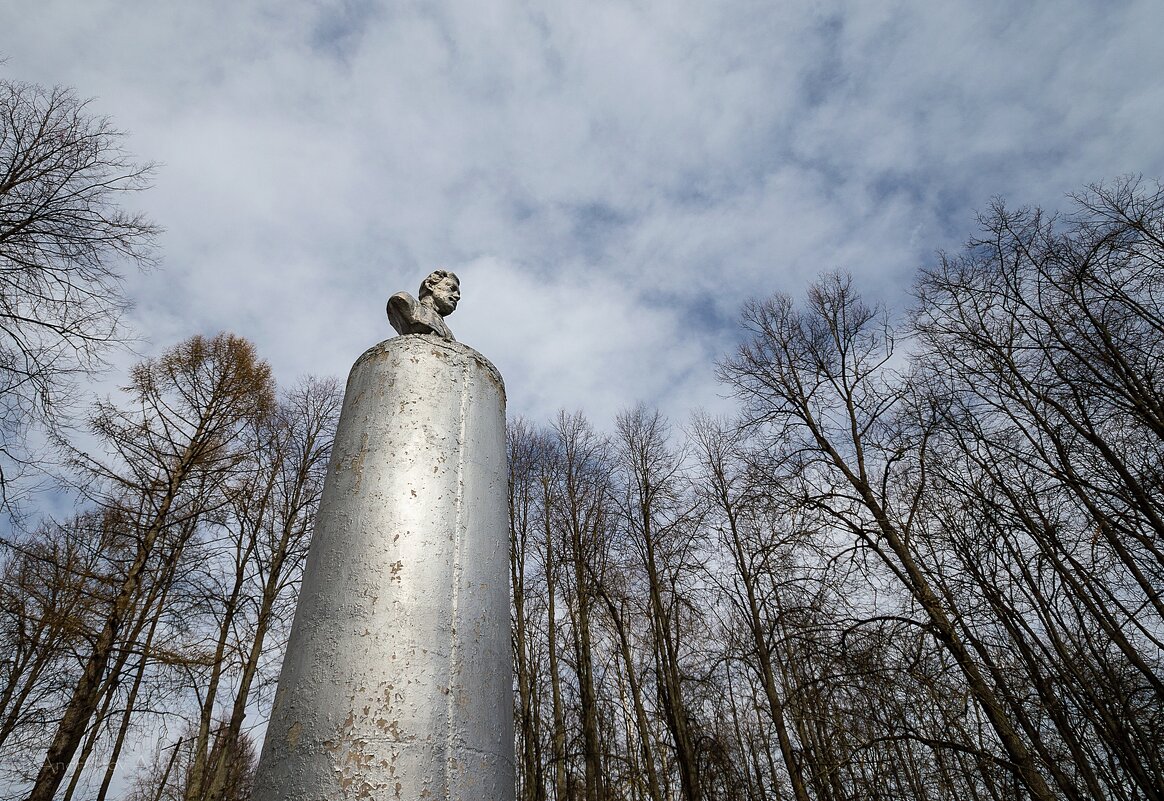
x,y
610,179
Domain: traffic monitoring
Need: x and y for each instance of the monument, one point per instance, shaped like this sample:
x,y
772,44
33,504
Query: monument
x,y
398,677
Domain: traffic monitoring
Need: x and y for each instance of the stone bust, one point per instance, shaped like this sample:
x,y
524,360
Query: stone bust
x,y
439,294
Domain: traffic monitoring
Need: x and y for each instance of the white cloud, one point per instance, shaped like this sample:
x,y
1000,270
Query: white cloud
x,y
614,178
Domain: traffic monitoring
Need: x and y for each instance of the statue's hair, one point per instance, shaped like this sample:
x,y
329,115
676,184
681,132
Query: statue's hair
x,y
435,277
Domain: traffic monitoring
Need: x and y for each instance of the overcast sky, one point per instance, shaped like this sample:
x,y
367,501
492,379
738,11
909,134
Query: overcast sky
x,y
611,180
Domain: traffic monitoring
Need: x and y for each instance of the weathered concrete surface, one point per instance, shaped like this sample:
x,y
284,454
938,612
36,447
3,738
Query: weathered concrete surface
x,y
398,676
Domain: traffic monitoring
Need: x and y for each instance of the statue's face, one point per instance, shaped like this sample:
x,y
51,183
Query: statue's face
x,y
446,293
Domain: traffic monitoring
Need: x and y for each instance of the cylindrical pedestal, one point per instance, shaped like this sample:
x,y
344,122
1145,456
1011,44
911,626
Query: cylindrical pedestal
x,y
398,677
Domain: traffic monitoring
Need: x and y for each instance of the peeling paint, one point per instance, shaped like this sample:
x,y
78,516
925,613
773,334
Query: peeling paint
x,y
293,734
404,698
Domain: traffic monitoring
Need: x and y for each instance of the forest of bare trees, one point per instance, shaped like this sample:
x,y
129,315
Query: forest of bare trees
x,y
923,562
924,559
160,611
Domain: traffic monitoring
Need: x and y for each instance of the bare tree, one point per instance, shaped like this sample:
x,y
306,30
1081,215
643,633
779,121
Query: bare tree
x,y
64,236
268,525
51,592
175,452
526,450
657,514
727,492
582,519
168,775
1043,342
820,383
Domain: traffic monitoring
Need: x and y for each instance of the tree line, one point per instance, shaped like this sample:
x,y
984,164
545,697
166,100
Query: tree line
x,y
923,560
160,611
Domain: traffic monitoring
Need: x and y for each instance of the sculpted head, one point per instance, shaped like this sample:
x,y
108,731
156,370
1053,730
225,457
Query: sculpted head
x,y
444,289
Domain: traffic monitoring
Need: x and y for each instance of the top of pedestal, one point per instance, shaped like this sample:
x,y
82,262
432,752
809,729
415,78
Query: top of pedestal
x,y
431,344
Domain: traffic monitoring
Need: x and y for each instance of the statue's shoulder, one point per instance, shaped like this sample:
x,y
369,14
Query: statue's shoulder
x,y
402,301
402,312
409,316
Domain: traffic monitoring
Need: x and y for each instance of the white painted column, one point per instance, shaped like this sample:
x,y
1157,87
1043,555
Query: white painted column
x,y
398,677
